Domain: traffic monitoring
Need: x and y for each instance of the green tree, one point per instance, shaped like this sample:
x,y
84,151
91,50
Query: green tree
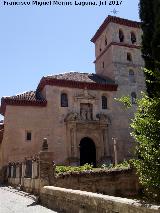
x,y
150,17
146,131
146,13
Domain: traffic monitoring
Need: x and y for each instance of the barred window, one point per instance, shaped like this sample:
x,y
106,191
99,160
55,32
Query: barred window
x,y
64,100
104,102
28,170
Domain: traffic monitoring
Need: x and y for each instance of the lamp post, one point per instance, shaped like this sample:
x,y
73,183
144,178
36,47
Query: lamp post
x,y
115,150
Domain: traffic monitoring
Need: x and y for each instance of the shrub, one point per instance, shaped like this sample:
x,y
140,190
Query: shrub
x,y
64,169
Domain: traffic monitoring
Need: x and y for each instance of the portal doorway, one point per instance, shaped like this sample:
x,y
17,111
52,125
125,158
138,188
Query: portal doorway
x,y
87,152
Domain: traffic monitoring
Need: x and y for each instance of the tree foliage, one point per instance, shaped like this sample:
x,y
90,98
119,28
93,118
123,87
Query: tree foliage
x,y
146,131
150,16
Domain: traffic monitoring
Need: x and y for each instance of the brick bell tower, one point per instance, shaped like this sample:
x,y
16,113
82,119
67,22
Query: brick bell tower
x,y
118,56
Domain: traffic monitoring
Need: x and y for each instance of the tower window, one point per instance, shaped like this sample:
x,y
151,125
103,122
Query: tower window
x,y
28,136
129,57
121,36
133,97
133,38
131,76
103,64
64,100
106,42
104,102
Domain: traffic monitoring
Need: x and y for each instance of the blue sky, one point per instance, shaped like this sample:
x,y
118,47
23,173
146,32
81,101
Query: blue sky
x,y
38,41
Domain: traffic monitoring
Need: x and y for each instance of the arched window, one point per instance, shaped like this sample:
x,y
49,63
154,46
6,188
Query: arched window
x,y
133,97
104,102
64,100
129,57
100,46
106,42
133,38
121,36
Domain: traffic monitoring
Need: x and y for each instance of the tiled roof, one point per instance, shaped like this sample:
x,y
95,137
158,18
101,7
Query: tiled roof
x,y
79,80
116,20
70,80
31,96
82,77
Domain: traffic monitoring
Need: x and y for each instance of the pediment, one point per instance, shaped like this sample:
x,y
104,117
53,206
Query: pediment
x,y
85,95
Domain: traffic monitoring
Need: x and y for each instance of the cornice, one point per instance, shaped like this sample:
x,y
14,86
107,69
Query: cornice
x,y
116,20
76,84
117,44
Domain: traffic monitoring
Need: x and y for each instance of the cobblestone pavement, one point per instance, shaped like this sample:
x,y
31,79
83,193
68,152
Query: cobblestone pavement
x,y
15,201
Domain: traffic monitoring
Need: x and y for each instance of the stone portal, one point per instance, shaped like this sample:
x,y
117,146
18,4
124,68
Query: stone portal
x,y
87,152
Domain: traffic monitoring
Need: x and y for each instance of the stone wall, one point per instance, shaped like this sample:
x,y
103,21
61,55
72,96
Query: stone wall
x,y
114,182
32,176
67,200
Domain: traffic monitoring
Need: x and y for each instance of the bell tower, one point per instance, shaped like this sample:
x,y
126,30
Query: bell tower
x,y
118,57
118,54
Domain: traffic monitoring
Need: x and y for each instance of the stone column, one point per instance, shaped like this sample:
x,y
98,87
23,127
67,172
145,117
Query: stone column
x,y
23,169
72,141
46,169
18,171
115,151
12,171
34,169
104,133
46,166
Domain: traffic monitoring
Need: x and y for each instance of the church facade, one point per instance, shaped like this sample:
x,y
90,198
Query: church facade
x,y
77,112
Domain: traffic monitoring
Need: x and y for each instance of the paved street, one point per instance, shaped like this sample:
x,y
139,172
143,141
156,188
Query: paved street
x,y
14,201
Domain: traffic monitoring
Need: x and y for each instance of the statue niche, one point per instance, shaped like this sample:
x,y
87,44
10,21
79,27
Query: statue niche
x,y
86,111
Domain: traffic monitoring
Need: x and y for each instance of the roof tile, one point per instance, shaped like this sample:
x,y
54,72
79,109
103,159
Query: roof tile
x,y
82,77
32,96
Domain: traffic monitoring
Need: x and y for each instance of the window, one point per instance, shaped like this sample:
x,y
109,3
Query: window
x,y
103,64
14,171
104,102
28,136
129,57
106,42
28,170
64,100
133,97
133,37
121,36
131,76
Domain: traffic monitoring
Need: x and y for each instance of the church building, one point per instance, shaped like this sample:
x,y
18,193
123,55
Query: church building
x,y
78,112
